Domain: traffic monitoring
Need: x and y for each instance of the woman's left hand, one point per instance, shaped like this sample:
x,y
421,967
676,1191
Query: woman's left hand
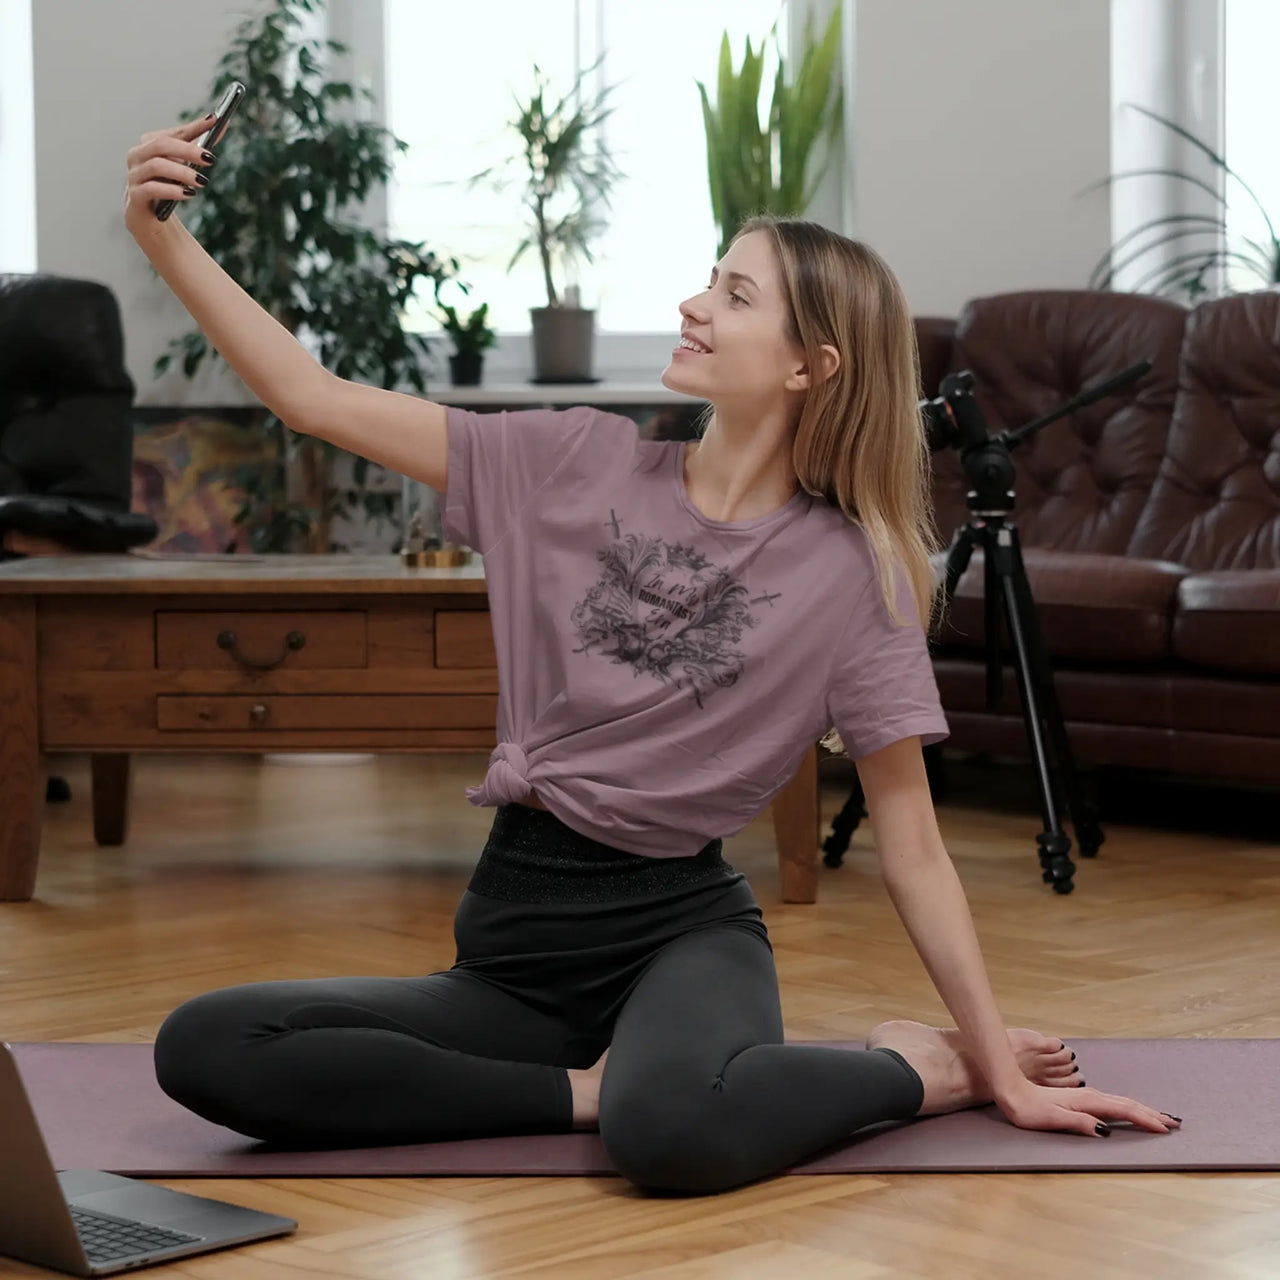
x,y
1037,1106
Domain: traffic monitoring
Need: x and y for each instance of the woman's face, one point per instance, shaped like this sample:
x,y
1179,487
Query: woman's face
x,y
741,316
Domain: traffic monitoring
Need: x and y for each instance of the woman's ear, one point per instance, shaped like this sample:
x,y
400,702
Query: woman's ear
x,y
830,363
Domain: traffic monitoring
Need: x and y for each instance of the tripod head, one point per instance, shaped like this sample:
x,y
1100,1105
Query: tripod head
x,y
953,420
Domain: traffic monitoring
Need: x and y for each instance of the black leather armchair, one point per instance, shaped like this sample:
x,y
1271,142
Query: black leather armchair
x,y
66,434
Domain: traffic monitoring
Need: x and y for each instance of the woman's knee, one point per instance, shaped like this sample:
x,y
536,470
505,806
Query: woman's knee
x,y
662,1140
196,1046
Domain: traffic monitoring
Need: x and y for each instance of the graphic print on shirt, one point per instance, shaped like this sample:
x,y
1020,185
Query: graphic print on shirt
x,y
669,612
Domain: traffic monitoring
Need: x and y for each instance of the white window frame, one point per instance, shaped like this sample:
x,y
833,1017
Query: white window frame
x,y
17,138
619,357
1169,58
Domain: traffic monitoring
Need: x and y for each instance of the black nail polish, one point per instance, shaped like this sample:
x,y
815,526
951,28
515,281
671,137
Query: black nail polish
x,y
1073,1055
1079,1084
188,191
1171,1117
208,157
201,180
1102,1129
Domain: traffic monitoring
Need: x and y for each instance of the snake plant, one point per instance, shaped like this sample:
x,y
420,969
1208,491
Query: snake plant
x,y
1186,271
741,155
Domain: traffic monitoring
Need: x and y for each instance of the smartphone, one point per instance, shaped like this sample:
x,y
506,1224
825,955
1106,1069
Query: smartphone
x,y
224,111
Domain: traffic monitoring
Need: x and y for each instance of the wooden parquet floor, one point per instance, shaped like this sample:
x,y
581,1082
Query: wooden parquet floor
x,y
238,869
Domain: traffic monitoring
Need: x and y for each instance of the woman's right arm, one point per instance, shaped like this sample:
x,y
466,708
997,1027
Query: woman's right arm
x,y
402,432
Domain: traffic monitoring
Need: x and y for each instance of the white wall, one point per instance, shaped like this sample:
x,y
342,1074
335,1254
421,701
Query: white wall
x,y
105,73
17,140
976,124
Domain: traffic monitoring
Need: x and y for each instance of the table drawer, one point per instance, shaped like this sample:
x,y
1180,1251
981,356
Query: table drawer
x,y
256,641
277,712
464,638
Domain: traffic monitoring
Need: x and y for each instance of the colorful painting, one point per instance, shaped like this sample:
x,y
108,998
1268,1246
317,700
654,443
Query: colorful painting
x,y
182,478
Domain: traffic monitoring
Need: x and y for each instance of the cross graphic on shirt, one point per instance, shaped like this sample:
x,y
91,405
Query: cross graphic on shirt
x,y
766,598
613,520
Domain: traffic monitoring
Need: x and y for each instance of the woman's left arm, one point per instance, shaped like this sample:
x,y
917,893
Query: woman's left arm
x,y
926,892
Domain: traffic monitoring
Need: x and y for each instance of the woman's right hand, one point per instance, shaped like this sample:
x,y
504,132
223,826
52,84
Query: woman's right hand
x,y
158,170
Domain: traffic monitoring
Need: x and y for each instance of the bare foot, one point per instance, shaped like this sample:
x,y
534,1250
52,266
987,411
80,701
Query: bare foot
x,y
952,1079
586,1095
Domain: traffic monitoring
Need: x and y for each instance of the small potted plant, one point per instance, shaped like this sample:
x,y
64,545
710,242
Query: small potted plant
x,y
565,184
471,338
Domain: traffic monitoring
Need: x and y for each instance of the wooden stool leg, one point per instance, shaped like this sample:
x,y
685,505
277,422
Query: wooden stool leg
x,y
22,780
796,822
110,796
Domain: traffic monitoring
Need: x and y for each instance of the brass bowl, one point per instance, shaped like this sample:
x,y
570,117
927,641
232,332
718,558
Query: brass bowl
x,y
446,558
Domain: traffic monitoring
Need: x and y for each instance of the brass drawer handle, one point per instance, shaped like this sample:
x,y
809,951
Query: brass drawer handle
x,y
292,642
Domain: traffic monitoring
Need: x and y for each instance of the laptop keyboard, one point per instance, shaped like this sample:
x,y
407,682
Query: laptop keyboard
x,y
106,1238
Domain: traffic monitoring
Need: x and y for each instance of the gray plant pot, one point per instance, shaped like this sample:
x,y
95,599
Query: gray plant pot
x,y
563,342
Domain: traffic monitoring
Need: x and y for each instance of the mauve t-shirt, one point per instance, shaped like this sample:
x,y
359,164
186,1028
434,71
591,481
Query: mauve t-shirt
x,y
662,674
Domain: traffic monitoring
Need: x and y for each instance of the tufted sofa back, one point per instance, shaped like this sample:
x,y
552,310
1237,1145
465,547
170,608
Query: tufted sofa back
x,y
1216,499
1083,481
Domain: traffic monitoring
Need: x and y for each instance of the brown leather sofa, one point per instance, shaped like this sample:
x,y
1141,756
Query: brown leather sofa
x,y
1149,522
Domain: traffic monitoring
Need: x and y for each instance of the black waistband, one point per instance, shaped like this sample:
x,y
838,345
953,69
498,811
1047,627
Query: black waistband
x,y
531,856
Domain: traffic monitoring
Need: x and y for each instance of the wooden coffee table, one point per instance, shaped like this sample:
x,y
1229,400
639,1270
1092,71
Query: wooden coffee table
x,y
115,654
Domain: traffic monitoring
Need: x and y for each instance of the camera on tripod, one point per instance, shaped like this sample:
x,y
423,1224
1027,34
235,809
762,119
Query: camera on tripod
x,y
953,419
941,420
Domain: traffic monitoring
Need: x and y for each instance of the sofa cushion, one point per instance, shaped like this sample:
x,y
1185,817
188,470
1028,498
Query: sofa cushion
x,y
1216,501
1230,620
1091,607
1081,482
935,336
1085,695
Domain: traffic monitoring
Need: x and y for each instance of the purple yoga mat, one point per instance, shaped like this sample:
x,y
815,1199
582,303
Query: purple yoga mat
x,y
100,1108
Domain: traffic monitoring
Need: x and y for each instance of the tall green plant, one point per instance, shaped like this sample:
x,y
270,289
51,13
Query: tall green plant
x,y
559,173
272,218
740,154
1185,272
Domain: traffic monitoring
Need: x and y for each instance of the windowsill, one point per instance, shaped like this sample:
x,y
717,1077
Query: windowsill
x,y
606,391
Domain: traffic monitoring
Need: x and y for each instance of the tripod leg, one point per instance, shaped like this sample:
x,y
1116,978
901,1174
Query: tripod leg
x,y
1084,812
992,594
959,554
844,824
1055,844
846,821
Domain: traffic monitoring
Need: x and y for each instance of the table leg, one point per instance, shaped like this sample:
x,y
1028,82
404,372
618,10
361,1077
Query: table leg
x,y
22,774
796,821
110,796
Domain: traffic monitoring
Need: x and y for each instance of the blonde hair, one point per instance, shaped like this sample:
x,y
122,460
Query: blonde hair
x,y
860,441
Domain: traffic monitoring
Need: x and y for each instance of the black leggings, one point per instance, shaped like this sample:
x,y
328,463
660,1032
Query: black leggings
x,y
572,948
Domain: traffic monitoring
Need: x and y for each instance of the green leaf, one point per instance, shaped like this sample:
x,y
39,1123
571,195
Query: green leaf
x,y
1107,266
1144,173
1204,147
741,151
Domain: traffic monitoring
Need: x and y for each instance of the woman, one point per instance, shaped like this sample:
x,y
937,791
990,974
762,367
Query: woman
x,y
675,623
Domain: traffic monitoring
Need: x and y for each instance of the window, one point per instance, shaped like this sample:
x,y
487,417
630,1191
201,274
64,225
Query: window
x,y
1252,105
17,139
452,75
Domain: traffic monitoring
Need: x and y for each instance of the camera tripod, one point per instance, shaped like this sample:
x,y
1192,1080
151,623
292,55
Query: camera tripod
x,y
955,419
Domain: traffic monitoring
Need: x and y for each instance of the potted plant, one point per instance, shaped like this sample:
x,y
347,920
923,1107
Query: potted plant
x,y
271,218
565,185
740,154
1186,272
471,338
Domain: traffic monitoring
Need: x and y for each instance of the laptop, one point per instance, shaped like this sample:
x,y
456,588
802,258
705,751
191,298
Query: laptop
x,y
89,1223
